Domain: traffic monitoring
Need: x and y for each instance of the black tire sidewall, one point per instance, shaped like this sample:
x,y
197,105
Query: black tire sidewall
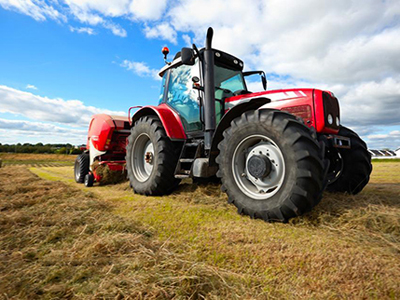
x,y
165,157
139,129
81,165
357,165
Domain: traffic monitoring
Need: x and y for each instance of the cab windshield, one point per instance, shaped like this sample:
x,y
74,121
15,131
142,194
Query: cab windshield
x,y
227,79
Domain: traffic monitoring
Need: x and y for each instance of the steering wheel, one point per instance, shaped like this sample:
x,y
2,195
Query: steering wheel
x,y
240,92
224,90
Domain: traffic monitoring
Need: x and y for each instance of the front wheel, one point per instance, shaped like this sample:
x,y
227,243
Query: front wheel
x,y
354,164
270,165
151,158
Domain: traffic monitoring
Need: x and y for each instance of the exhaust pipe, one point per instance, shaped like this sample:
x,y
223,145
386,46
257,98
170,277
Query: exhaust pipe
x,y
209,91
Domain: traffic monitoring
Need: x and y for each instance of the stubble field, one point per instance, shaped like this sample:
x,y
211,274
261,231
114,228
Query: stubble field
x,y
59,239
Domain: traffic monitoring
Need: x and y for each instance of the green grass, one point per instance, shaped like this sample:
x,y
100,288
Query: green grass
x,y
39,160
193,244
391,160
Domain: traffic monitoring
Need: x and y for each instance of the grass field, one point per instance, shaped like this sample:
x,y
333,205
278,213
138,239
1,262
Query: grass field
x,y
59,239
40,160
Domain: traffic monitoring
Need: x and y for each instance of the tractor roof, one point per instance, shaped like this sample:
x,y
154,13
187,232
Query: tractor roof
x,y
221,58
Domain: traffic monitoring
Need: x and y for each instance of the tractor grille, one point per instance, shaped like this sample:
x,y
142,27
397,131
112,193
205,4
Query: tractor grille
x,y
331,106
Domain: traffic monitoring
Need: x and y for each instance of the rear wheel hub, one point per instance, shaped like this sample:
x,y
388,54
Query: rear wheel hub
x,y
259,166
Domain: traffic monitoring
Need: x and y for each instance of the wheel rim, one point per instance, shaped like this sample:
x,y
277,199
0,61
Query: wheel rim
x,y
142,157
258,188
335,167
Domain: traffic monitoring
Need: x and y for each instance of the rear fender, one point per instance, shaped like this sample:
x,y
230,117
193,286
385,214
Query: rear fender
x,y
234,112
168,117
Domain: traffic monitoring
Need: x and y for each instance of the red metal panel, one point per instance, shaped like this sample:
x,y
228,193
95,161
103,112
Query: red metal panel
x,y
101,130
295,102
168,117
305,103
319,114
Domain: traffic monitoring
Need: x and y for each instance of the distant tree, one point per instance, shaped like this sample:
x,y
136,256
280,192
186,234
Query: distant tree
x,y
76,151
62,150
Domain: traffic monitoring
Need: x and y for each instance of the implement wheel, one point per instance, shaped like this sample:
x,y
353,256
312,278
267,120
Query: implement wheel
x,y
270,165
81,167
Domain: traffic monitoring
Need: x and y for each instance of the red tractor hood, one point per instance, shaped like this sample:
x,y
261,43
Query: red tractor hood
x,y
273,95
312,105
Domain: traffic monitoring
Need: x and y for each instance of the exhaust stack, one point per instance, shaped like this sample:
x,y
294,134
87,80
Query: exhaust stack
x,y
209,92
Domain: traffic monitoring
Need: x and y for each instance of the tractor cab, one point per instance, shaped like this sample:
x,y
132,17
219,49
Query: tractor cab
x,y
183,84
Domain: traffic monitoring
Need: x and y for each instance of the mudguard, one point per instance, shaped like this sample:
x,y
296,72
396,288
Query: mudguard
x,y
168,117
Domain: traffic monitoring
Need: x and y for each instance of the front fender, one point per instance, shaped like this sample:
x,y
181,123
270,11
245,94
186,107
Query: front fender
x,y
168,117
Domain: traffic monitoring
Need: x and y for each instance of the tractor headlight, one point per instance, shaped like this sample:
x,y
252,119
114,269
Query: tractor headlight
x,y
330,119
337,121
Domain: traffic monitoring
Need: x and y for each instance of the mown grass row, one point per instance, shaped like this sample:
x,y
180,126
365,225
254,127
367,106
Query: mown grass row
x,y
60,242
192,244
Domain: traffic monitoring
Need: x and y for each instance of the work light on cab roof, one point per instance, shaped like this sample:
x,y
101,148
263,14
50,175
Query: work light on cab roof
x,y
165,51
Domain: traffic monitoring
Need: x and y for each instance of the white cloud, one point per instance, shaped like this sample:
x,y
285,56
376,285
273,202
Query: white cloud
x,y
115,8
89,12
86,30
22,131
82,11
38,10
96,12
140,68
161,31
31,86
85,16
28,126
320,41
372,103
389,140
147,9
187,39
71,112
349,47
115,29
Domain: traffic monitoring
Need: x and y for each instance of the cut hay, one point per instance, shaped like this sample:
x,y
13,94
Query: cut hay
x,y
108,176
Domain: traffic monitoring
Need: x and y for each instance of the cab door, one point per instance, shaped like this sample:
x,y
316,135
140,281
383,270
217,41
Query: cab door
x,y
181,96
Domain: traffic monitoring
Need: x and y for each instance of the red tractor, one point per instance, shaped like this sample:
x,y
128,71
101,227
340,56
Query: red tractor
x,y
274,151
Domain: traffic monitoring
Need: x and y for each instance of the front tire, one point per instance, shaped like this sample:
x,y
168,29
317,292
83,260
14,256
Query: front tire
x,y
81,167
355,163
270,165
151,158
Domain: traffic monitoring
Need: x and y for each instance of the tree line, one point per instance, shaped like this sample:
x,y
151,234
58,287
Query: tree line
x,y
40,148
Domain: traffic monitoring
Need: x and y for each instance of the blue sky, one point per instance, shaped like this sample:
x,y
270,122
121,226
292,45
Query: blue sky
x,y
66,64
63,60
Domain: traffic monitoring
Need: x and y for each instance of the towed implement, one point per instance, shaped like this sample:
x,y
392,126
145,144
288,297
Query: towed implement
x,y
274,151
105,150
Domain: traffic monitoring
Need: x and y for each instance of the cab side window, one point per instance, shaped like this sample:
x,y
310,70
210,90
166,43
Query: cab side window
x,y
183,98
164,80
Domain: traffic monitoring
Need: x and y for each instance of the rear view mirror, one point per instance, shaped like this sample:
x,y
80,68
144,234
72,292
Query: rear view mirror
x,y
261,73
187,56
264,81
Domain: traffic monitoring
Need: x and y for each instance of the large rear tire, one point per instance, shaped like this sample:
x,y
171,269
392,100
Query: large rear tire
x,y
355,163
270,165
151,158
81,167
